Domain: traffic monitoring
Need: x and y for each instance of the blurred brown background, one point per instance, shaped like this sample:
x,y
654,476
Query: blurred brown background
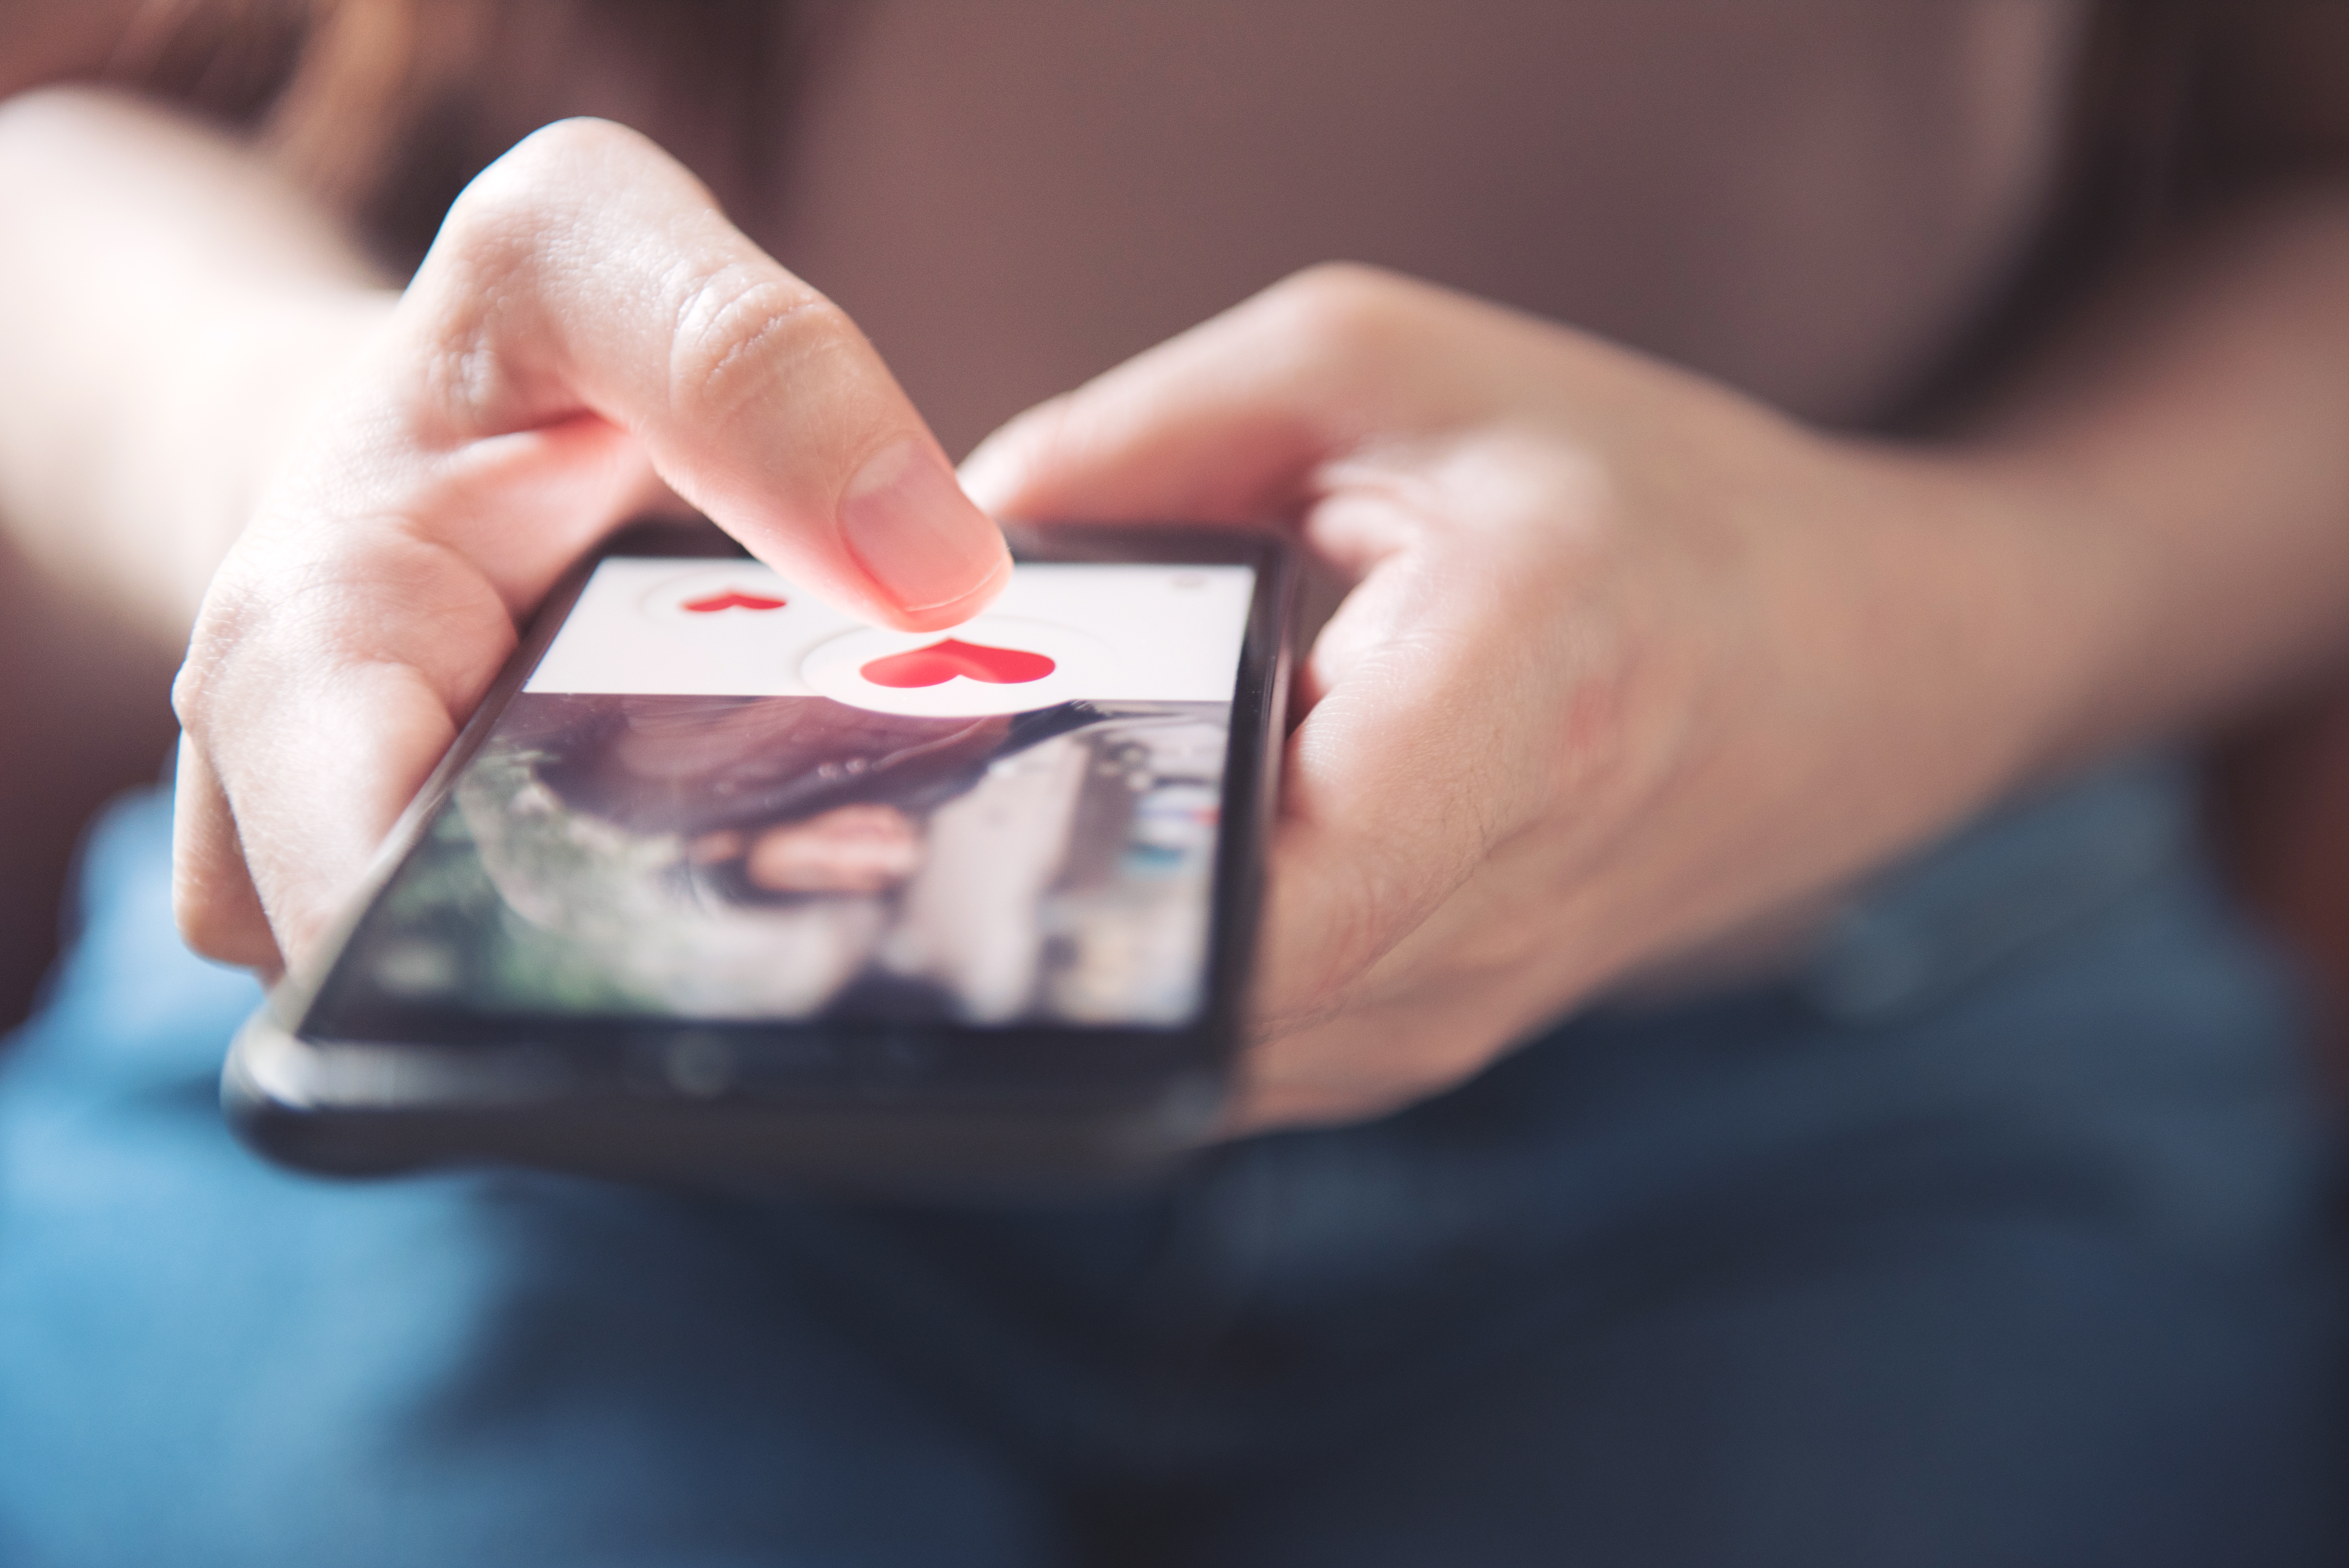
x,y
84,712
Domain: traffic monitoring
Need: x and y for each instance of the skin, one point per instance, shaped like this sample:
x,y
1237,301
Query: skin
x,y
1629,663
866,849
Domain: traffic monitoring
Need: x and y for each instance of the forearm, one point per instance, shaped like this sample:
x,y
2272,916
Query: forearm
x,y
2187,447
168,310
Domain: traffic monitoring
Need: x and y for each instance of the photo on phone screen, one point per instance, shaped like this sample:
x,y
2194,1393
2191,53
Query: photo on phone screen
x,y
717,798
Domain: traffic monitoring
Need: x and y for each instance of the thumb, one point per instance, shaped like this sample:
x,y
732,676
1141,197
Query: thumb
x,y
1235,419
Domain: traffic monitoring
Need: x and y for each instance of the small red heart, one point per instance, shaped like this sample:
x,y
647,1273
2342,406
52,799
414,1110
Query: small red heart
x,y
731,599
941,661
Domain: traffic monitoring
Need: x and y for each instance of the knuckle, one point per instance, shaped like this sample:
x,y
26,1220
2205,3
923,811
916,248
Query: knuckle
x,y
510,223
255,638
575,141
1343,310
194,686
530,199
190,688
740,326
521,183
494,227
483,266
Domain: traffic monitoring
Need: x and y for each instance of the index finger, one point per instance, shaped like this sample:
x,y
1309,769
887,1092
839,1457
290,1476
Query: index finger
x,y
587,272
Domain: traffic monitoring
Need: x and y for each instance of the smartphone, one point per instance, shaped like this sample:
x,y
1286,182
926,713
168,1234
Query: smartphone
x,y
722,885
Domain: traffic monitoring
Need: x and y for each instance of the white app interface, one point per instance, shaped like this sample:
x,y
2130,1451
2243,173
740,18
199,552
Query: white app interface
x,y
1060,631
719,797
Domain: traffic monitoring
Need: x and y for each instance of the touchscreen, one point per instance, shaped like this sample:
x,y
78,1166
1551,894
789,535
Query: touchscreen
x,y
717,798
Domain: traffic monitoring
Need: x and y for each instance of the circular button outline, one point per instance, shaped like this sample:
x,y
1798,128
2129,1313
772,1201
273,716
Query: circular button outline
x,y
1083,666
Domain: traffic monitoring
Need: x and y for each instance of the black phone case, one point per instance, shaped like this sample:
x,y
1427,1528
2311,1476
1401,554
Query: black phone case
x,y
890,1109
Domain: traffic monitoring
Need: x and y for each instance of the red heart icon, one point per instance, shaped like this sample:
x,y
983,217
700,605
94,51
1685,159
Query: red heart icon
x,y
941,661
731,599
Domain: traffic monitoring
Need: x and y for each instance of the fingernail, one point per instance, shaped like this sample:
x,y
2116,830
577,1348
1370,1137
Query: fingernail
x,y
908,523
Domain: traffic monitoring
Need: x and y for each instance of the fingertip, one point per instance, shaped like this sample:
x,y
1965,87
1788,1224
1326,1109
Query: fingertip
x,y
936,556
955,610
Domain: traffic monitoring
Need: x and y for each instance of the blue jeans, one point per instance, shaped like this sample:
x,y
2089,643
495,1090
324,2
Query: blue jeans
x,y
1996,1233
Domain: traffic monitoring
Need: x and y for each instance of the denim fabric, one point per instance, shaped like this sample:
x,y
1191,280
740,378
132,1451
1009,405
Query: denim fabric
x,y
1996,1232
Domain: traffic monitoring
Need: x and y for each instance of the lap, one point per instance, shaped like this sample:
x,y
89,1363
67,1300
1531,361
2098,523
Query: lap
x,y
213,1361
2029,1268
1970,1387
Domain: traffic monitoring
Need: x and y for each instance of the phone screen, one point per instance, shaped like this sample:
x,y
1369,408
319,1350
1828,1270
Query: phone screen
x,y
716,797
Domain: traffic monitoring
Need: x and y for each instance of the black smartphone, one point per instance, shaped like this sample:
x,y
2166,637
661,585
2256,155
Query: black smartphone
x,y
722,885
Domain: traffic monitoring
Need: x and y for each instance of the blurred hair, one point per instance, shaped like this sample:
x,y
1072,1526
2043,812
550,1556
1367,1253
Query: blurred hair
x,y
384,109
334,88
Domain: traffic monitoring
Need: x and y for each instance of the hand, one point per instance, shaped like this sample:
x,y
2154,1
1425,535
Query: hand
x,y
1626,660
587,324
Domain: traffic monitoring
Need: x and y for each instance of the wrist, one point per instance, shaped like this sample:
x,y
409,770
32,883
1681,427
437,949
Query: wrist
x,y
2085,595
136,508
171,305
1982,608
219,421
2077,586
